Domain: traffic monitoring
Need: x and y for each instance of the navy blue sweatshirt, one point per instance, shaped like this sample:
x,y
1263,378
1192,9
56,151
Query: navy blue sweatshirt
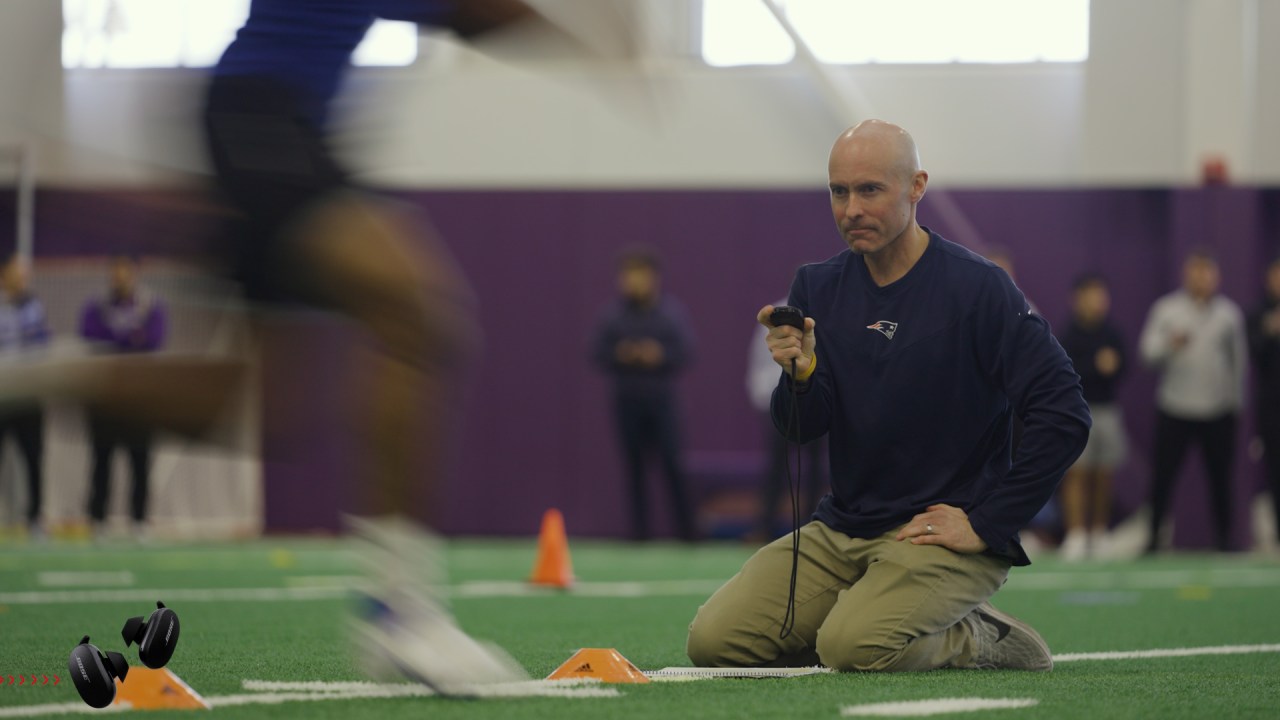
x,y
1083,345
916,385
664,321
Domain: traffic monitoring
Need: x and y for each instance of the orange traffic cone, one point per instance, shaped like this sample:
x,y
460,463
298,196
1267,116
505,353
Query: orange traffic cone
x,y
147,689
553,566
603,664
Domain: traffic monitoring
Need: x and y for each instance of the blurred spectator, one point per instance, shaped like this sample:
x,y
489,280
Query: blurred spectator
x,y
644,341
1195,338
23,327
762,378
128,319
1264,341
1097,351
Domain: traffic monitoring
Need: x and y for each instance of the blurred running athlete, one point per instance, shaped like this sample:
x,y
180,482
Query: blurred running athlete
x,y
305,234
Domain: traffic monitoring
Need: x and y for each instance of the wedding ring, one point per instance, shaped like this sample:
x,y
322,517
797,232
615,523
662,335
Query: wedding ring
x,y
928,528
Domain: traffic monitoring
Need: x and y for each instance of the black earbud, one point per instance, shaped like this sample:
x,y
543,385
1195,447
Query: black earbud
x,y
156,636
95,673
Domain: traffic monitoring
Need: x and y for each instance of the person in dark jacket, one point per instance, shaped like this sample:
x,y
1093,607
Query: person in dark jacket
x,y
1264,345
643,342
1097,350
915,355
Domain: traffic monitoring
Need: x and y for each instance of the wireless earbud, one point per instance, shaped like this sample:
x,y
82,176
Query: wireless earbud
x,y
156,636
95,673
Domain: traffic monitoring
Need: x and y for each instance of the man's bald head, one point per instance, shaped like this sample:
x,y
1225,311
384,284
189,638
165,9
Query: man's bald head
x,y
875,180
892,146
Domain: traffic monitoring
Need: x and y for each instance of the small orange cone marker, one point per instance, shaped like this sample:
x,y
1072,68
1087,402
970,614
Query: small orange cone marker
x,y
553,567
147,689
603,664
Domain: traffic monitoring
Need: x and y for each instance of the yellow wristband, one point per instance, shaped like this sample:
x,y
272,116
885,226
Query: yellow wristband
x,y
813,365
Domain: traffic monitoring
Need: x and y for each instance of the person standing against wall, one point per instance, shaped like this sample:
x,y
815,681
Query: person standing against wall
x,y
643,343
1264,342
23,328
1096,349
128,319
1195,338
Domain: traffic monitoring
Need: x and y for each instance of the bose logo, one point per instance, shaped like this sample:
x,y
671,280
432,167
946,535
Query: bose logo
x,y
166,635
84,673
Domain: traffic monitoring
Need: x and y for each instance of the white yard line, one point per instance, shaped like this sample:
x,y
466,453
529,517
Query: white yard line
x,y
267,692
573,688
263,692
941,706
1167,653
304,588
72,578
169,595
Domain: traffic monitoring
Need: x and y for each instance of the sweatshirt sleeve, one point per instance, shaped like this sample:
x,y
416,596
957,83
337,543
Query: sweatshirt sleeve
x,y
678,342
814,397
92,326
1239,354
154,329
1117,342
604,342
1153,344
1019,353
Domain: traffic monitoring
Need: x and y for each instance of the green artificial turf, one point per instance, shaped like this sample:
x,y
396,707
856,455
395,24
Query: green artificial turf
x,y
1178,601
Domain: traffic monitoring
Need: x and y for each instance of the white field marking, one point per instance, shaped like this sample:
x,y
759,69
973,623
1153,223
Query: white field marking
x,y
337,588
313,581
276,594
680,674
1145,579
571,688
941,706
638,588
22,711
1168,652
72,578
275,693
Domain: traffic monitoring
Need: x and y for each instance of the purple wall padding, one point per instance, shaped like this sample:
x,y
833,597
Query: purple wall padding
x,y
535,430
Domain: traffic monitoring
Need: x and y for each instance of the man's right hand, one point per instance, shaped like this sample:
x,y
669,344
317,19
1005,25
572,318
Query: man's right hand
x,y
787,343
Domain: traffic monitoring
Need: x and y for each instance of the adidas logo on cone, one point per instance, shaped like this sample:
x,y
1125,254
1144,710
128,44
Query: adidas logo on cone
x,y
603,664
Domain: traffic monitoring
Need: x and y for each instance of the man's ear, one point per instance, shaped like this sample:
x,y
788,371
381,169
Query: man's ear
x,y
919,181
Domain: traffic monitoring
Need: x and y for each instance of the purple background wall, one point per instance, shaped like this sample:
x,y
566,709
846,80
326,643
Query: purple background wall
x,y
535,432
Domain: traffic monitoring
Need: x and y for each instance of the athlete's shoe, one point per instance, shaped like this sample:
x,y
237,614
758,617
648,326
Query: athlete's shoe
x,y
428,648
401,626
1005,642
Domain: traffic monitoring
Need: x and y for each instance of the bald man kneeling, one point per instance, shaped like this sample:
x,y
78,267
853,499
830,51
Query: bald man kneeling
x,y
914,357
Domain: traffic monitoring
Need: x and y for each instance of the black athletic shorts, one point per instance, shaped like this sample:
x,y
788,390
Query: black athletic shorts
x,y
270,162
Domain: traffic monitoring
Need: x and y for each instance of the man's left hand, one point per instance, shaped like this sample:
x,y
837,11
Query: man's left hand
x,y
943,525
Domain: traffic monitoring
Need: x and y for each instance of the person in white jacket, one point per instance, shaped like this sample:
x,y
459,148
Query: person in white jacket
x,y
1195,338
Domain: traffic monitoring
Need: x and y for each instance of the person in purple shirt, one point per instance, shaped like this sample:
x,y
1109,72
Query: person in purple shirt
x,y
23,328
128,319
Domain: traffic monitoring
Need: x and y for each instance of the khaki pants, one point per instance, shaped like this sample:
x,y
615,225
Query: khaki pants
x,y
872,605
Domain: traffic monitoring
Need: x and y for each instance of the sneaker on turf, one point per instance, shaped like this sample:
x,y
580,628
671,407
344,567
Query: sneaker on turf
x,y
1006,643
428,648
402,626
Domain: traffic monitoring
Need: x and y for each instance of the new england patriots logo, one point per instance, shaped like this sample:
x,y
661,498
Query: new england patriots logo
x,y
887,327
